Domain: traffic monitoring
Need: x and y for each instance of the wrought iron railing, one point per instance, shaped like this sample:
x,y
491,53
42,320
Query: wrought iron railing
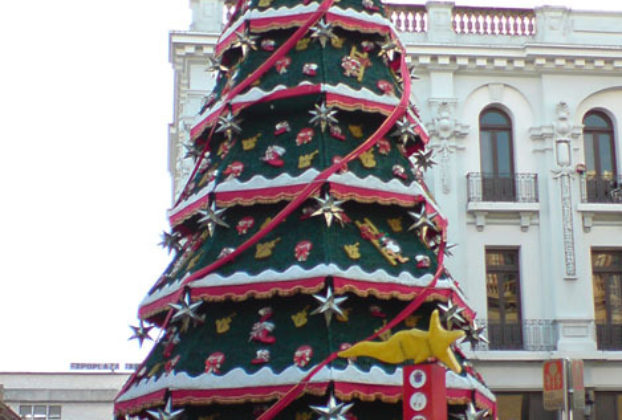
x,y
493,21
530,335
609,336
601,189
517,188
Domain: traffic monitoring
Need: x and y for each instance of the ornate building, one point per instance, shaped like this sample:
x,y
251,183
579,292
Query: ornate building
x,y
523,109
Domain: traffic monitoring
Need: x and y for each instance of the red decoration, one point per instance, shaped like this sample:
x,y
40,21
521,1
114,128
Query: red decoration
x,y
423,261
302,250
400,172
225,251
303,356
282,64
376,311
368,46
272,156
170,364
214,362
234,169
262,356
335,132
337,160
369,5
245,224
304,136
385,87
261,330
268,44
424,392
310,69
351,66
281,128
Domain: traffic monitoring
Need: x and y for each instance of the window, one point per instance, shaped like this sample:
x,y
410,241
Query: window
x,y
608,406
496,155
607,284
522,406
600,160
40,412
503,294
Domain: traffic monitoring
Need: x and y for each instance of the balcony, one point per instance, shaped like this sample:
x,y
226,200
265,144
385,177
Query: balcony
x,y
601,189
609,336
514,188
530,335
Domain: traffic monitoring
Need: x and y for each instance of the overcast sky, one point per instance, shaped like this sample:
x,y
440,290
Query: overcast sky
x,y
85,99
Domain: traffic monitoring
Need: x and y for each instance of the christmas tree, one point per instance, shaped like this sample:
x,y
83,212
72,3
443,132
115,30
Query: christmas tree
x,y
308,263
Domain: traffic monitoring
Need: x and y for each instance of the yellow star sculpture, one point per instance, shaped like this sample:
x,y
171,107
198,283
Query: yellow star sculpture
x,y
412,344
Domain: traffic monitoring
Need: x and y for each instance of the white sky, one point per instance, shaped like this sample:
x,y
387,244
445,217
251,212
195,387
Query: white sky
x,y
85,99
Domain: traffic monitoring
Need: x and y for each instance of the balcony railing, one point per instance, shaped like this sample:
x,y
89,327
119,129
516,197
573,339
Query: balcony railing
x,y
530,335
601,189
517,188
609,336
413,18
493,21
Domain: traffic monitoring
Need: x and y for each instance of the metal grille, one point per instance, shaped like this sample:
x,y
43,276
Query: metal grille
x,y
517,188
530,335
601,189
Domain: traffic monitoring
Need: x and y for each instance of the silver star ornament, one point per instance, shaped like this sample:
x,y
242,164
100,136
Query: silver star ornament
x,y
246,42
185,310
212,217
404,130
141,333
323,31
475,334
423,160
388,50
167,413
451,314
422,219
323,116
472,414
329,208
329,305
332,410
171,241
228,125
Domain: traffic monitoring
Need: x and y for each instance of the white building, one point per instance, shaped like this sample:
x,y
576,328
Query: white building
x,y
524,109
62,395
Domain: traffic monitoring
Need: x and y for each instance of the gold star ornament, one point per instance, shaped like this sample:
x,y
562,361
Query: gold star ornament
x,y
413,344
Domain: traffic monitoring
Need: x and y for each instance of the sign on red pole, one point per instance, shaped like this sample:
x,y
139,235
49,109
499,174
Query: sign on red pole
x,y
554,384
424,392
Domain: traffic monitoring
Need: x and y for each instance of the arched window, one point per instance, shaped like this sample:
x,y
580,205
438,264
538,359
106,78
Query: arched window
x,y
600,157
496,155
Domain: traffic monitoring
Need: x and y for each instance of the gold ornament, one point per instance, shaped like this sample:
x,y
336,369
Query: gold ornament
x,y
224,324
264,3
395,224
265,249
303,44
373,235
250,143
356,130
329,208
305,415
367,159
363,58
300,318
345,317
413,344
337,42
265,222
386,335
193,262
304,161
155,369
353,251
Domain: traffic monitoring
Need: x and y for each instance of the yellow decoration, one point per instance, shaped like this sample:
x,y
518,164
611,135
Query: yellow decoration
x,y
304,416
264,3
265,222
224,324
300,318
154,369
264,250
353,251
337,42
386,335
193,262
304,161
363,58
367,159
356,130
411,321
346,315
303,44
391,256
250,143
395,224
256,82
412,344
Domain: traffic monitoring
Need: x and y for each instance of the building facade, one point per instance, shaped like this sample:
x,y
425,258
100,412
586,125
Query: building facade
x,y
62,395
524,109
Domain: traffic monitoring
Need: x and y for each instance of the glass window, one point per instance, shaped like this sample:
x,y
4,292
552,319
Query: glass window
x,y
503,297
600,159
496,155
607,289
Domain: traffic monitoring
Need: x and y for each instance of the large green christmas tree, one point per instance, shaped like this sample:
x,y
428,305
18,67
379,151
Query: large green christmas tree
x,y
304,229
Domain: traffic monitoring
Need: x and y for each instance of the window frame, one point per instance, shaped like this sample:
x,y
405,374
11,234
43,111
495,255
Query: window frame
x,y
604,331
595,144
494,129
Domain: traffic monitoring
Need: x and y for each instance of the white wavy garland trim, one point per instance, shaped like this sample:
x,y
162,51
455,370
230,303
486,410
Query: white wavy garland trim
x,y
238,378
256,94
